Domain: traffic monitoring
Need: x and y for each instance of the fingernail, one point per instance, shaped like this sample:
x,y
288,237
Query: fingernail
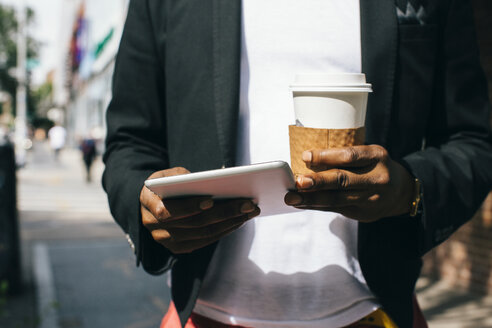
x,y
305,182
307,156
293,199
247,207
206,204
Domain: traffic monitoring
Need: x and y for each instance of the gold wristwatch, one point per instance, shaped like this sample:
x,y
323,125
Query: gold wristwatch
x,y
417,198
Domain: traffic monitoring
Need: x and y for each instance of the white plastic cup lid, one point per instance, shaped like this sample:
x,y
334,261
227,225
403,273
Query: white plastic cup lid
x,y
337,82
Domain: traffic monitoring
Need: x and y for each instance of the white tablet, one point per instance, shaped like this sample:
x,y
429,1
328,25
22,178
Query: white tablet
x,y
265,183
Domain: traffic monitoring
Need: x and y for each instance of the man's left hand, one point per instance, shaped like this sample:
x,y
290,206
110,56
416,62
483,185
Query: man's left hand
x,y
361,182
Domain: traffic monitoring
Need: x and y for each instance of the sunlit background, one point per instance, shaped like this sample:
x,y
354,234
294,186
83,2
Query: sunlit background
x,y
71,46
63,260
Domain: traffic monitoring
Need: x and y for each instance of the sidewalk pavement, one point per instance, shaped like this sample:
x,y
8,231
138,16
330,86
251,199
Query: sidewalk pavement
x,y
79,271
448,307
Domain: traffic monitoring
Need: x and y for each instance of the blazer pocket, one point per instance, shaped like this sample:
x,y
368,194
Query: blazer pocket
x,y
416,70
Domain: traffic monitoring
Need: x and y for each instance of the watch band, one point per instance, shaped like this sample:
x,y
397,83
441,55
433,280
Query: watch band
x,y
415,209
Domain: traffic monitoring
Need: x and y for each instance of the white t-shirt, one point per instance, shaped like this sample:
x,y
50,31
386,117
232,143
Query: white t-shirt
x,y
299,269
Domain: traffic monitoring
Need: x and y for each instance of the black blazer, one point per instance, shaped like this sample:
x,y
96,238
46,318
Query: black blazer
x,y
175,103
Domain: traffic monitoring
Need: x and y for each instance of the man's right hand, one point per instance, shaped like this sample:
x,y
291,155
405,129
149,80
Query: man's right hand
x,y
186,224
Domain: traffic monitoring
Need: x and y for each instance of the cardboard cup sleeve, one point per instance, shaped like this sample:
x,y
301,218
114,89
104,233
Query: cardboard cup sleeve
x,y
302,138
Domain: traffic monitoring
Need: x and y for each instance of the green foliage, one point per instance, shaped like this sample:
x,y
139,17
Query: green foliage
x,y
8,47
40,99
42,123
43,92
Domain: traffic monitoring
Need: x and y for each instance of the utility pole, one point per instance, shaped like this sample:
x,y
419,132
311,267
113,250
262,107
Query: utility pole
x,y
21,106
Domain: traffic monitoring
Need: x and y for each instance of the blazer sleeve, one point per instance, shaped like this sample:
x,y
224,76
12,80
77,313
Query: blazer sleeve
x,y
455,168
136,132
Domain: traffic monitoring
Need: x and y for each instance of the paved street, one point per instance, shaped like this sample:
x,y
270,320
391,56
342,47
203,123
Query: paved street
x,y
80,273
56,203
446,307
78,268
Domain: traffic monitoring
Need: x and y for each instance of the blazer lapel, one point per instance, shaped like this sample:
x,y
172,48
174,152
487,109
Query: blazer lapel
x,y
226,61
379,34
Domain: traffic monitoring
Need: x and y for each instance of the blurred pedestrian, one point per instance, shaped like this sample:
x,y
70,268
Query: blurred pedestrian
x,y
88,149
57,135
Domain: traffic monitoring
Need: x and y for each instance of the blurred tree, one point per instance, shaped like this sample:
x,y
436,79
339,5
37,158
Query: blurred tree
x,y
41,101
8,52
42,96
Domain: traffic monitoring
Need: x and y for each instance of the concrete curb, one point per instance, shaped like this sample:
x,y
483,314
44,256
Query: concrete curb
x,y
47,305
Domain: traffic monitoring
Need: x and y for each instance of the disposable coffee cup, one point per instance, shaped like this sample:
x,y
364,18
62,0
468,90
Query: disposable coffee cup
x,y
330,111
330,101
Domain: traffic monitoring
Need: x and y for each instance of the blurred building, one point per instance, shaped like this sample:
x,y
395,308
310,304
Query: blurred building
x,y
89,42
